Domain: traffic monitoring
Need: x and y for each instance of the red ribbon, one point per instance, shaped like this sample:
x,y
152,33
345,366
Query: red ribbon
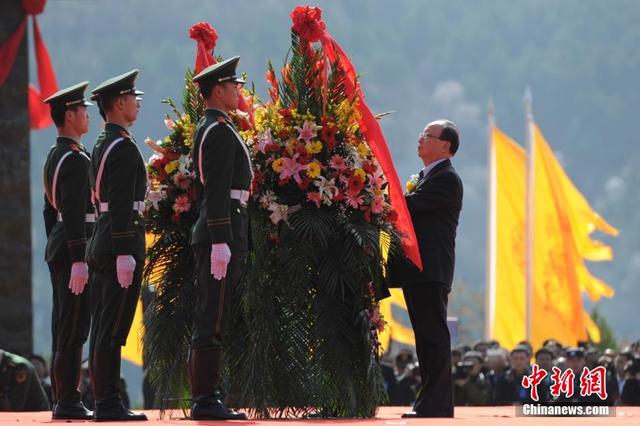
x,y
39,114
205,37
307,22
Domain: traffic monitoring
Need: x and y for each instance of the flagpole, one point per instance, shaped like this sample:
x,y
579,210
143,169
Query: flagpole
x,y
528,102
490,270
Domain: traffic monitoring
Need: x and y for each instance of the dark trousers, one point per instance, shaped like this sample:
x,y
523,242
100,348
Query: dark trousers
x,y
71,314
213,307
113,308
70,320
213,300
427,306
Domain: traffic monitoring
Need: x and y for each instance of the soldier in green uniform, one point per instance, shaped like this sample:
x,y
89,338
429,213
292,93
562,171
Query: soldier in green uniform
x,y
20,388
117,248
219,236
69,216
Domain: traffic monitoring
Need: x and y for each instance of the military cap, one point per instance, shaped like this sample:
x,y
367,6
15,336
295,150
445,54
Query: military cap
x,y
120,85
474,354
575,353
219,73
71,96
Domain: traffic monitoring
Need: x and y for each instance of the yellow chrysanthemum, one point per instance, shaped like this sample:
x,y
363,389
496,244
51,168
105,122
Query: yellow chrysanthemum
x,y
363,149
411,186
170,167
361,173
313,169
314,147
277,165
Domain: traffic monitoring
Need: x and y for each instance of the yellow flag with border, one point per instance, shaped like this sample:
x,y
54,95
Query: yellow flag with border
x,y
506,290
563,222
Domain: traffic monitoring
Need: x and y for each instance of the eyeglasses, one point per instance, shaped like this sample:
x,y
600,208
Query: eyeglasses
x,y
426,136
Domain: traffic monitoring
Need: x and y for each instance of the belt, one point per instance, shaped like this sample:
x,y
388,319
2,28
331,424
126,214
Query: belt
x,y
240,195
137,206
88,218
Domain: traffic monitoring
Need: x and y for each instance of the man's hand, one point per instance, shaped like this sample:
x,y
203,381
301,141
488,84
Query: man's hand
x,y
220,257
79,277
125,265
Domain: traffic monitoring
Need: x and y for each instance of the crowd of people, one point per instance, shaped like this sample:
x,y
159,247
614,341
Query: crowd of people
x,y
484,374
487,374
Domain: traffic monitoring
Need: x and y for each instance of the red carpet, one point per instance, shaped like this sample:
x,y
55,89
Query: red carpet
x,y
386,416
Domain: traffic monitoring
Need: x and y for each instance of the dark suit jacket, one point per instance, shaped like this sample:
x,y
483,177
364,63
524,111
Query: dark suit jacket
x,y
434,206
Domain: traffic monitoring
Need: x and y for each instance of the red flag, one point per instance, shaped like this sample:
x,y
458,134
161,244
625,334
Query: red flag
x,y
39,112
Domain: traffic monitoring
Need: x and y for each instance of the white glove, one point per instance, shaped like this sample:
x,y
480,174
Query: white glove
x,y
79,277
220,257
125,265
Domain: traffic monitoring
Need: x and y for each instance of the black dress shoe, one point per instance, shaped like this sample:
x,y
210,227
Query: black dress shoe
x,y
214,410
118,412
71,412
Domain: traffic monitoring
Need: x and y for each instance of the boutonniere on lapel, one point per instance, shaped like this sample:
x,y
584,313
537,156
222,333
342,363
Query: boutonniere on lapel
x,y
411,184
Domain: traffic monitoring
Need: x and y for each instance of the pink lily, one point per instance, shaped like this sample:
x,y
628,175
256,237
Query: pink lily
x,y
291,168
264,140
307,132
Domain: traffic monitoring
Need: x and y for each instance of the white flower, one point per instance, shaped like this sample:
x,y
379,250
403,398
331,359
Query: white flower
x,y
281,212
184,162
153,197
327,188
266,199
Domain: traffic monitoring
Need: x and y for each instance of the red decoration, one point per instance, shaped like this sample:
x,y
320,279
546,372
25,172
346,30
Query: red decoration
x,y
33,7
308,24
38,110
205,37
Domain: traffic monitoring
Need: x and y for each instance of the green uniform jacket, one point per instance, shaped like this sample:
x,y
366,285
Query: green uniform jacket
x,y
72,197
226,165
20,388
120,230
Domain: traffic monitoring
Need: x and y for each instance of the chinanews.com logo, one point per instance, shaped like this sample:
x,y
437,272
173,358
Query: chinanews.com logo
x,y
562,397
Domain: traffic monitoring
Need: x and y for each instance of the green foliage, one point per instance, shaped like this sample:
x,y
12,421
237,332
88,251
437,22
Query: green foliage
x,y
607,336
301,334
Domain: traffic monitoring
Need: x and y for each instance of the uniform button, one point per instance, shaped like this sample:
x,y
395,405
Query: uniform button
x,y
238,210
135,222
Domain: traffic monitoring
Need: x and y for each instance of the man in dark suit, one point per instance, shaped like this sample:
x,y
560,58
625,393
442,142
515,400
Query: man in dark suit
x,y
116,250
220,235
434,204
69,217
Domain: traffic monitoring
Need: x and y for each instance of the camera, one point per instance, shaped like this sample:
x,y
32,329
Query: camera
x,y
463,370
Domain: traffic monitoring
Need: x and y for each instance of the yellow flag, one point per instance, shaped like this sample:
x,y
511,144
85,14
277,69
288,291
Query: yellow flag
x,y
506,291
562,223
394,312
132,351
394,309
